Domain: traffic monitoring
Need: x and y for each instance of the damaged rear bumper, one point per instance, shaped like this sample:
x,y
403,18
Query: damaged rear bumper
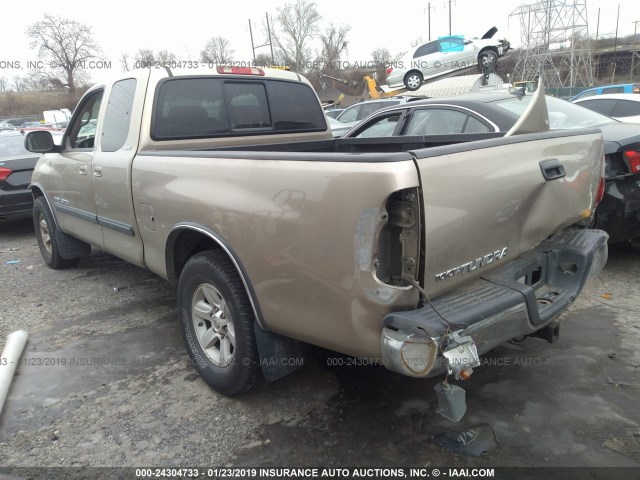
x,y
517,299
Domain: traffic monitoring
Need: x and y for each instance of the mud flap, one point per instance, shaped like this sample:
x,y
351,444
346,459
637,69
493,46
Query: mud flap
x,y
70,247
279,356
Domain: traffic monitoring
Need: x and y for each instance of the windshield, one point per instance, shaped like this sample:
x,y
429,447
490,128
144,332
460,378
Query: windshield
x,y
562,114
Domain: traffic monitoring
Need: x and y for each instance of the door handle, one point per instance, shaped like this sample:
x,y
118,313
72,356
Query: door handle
x,y
97,171
552,169
82,170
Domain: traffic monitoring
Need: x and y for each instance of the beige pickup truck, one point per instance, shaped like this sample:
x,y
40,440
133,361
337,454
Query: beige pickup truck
x,y
417,254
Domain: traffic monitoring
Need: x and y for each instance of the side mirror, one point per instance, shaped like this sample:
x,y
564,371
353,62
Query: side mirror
x,y
40,141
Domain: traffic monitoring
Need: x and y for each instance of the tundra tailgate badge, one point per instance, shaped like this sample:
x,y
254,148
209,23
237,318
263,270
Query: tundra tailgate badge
x,y
474,264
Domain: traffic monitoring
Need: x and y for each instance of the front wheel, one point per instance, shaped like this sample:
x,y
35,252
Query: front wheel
x,y
45,228
413,80
488,60
217,323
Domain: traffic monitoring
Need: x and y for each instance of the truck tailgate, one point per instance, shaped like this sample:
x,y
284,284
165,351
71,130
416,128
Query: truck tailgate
x,y
490,202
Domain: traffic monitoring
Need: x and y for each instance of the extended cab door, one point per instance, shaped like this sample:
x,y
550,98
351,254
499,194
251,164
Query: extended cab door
x,y
111,167
69,172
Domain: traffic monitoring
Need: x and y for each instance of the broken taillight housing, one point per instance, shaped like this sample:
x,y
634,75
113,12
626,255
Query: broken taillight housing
x,y
4,173
600,194
633,157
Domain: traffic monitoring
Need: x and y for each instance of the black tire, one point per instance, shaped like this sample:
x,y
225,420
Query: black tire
x,y
220,341
413,80
46,229
488,60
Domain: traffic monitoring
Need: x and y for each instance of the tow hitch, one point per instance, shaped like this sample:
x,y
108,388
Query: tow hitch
x,y
461,355
550,333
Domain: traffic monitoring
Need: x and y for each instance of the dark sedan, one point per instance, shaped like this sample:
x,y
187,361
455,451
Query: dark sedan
x,y
494,113
16,167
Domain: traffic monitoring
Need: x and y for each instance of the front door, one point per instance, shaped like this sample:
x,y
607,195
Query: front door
x,y
71,192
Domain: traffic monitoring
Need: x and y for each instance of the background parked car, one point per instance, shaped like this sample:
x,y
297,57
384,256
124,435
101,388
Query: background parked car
x,y
624,107
446,55
608,90
16,167
338,129
334,112
362,110
493,113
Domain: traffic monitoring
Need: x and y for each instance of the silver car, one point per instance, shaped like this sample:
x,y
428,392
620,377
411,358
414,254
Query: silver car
x,y
445,55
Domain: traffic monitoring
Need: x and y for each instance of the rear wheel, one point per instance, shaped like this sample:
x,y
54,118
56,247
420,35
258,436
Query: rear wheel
x,y
45,228
413,80
217,323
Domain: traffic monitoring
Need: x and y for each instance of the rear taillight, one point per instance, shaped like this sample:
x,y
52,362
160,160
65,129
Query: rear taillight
x,y
4,173
600,192
240,70
389,70
633,157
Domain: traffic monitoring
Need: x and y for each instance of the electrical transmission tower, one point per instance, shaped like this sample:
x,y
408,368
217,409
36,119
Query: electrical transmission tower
x,y
555,43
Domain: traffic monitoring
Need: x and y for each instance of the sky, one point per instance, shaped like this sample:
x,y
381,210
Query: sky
x,y
183,28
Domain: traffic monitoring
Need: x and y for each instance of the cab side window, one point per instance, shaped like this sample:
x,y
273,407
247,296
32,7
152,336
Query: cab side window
x,y
117,117
82,131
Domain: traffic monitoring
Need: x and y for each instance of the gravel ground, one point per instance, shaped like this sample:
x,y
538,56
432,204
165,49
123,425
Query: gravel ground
x,y
132,399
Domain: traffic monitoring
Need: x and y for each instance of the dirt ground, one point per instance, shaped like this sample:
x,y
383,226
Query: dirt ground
x,y
105,381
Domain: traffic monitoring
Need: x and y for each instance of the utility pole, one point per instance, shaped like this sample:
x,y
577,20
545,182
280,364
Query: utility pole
x,y
254,46
449,2
596,47
615,45
429,7
635,49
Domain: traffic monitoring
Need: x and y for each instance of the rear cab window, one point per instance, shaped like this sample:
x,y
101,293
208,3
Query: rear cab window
x,y
202,107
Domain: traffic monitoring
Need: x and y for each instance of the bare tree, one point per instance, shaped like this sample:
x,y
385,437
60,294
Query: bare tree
x,y
165,57
37,81
296,25
146,58
124,61
4,84
334,42
264,60
65,45
217,50
383,59
19,84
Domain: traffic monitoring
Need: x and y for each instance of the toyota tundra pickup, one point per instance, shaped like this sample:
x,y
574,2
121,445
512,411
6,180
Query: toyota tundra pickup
x,y
421,252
